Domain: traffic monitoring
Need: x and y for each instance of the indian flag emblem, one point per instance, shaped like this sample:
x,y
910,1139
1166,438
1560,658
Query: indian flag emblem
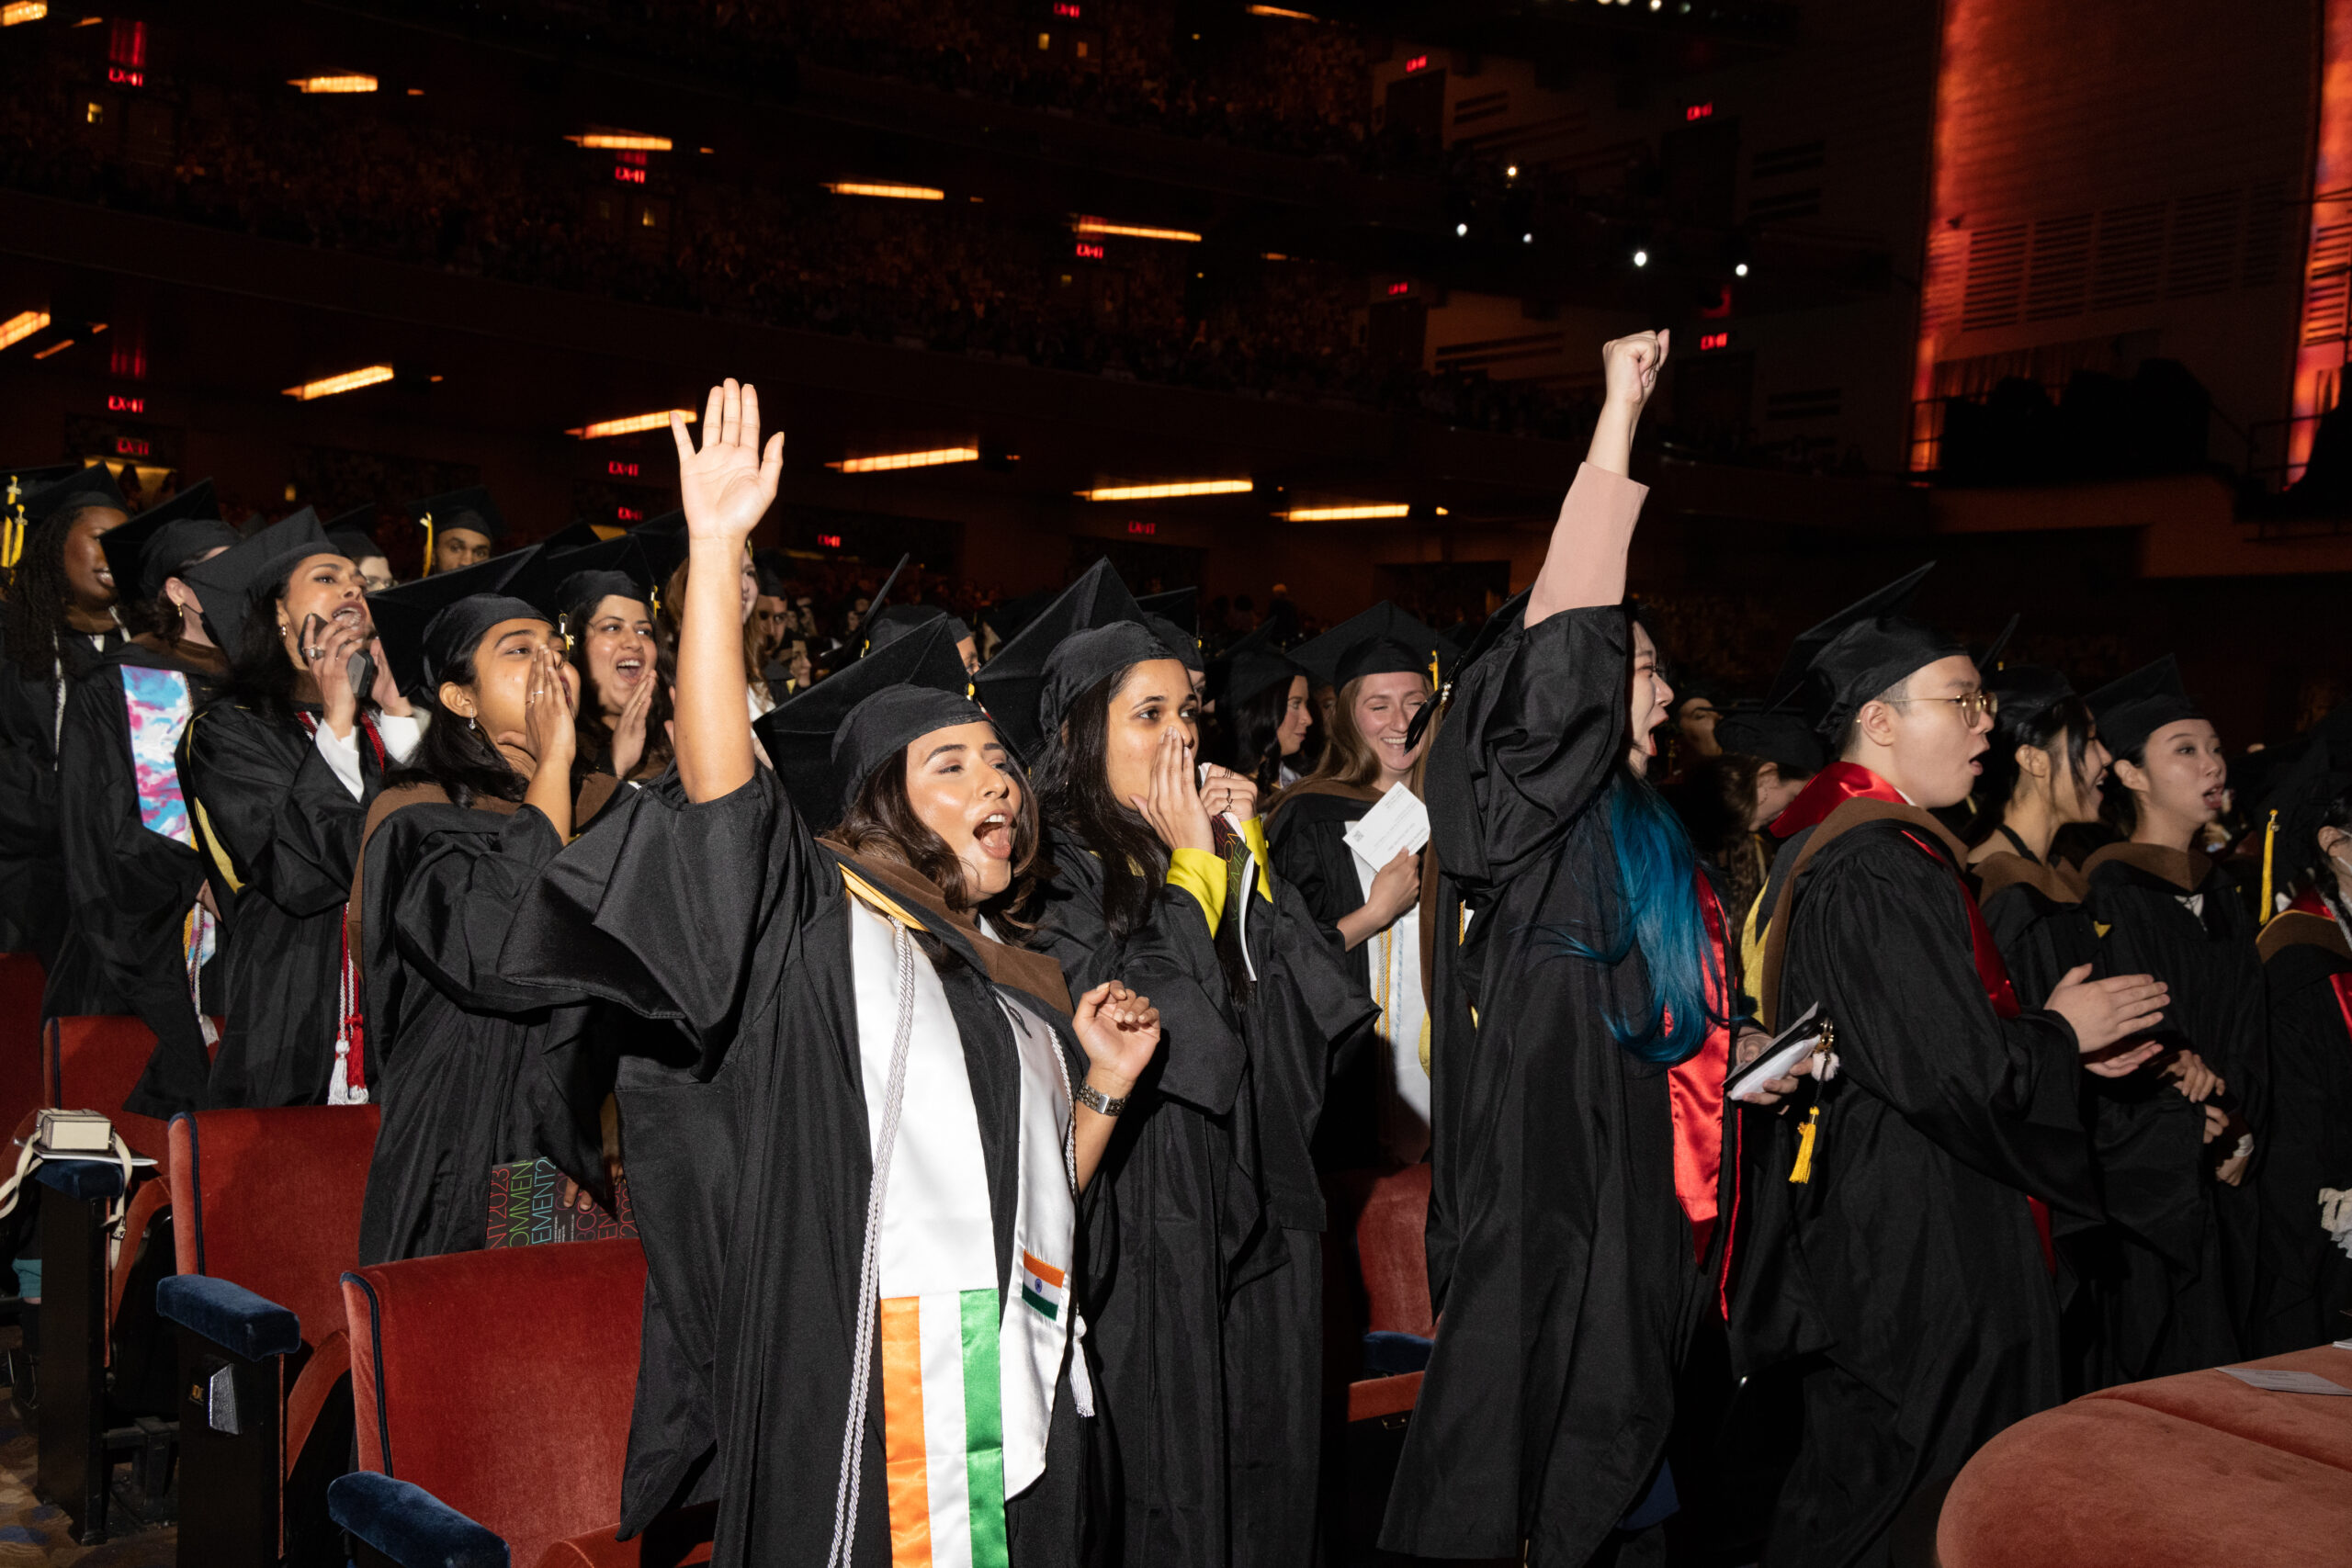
x,y
1043,1286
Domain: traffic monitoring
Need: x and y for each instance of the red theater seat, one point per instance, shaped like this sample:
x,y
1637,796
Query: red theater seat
x,y
493,1391
93,1063
21,1075
2197,1470
1379,1308
266,1206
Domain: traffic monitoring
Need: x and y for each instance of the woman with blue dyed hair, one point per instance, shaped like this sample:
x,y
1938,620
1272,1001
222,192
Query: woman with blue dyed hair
x,y
1583,1180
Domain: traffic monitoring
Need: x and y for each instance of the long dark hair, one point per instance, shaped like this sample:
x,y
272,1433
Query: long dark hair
x,y
261,676
883,817
1256,727
2016,726
594,749
455,753
39,596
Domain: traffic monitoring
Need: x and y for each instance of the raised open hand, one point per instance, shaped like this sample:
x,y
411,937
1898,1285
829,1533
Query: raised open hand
x,y
727,485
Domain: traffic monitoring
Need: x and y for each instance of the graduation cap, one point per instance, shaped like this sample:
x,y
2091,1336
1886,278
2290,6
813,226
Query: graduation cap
x,y
882,594
91,485
2028,692
558,581
232,585
1012,683
1779,736
1181,605
1178,642
153,546
573,536
902,620
1835,667
827,738
416,647
1007,616
2130,709
353,533
2297,804
18,486
1509,614
468,508
1382,640
1253,664
1990,659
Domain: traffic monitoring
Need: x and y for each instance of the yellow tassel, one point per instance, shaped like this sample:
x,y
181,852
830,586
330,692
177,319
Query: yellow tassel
x,y
1802,1170
2270,844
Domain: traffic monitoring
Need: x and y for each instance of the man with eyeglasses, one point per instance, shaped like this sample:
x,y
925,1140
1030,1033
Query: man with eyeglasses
x,y
1900,1262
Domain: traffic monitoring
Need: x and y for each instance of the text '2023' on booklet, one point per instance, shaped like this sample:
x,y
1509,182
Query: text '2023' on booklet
x,y
1788,1047
1396,822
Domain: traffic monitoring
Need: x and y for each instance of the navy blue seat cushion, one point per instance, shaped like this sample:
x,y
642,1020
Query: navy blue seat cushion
x,y
410,1525
82,1179
229,1315
1388,1353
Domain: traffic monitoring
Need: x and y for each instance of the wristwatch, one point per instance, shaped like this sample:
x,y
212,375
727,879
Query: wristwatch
x,y
1102,1104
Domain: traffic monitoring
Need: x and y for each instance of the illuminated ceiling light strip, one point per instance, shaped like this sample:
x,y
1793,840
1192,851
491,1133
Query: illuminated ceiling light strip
x,y
908,460
1169,491
22,325
621,141
1279,11
891,192
349,382
22,11
630,425
54,348
1343,513
346,82
1132,232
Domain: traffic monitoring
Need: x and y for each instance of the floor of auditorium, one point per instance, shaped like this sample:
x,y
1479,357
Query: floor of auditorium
x,y
33,1531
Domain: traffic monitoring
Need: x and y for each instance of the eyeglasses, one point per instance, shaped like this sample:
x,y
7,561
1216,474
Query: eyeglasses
x,y
1974,705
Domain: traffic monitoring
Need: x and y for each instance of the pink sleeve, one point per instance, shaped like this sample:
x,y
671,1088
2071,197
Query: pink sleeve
x,y
1585,565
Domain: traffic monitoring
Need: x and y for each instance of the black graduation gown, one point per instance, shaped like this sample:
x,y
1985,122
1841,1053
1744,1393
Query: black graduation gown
x,y
2185,1288
2306,1277
471,1070
1907,1271
282,835
749,1162
1303,834
128,888
1208,1310
32,872
1570,1286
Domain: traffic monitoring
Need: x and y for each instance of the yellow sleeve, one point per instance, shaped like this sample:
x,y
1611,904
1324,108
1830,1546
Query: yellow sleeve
x,y
1253,834
1201,875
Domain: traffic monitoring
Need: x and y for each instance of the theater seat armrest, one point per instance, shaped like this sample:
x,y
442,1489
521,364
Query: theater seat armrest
x,y
410,1526
1389,1353
230,1315
82,1179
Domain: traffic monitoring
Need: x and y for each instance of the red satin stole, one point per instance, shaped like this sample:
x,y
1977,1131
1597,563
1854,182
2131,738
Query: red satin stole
x,y
1695,1097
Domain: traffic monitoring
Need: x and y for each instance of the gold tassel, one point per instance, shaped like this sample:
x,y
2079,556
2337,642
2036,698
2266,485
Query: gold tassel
x,y
1802,1170
426,519
2270,844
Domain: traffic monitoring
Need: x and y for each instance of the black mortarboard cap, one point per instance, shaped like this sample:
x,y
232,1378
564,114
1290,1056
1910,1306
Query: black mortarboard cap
x,y
149,549
1008,616
404,614
457,629
1510,613
559,580
468,508
91,485
1990,659
2027,692
1835,667
1382,640
1779,736
572,537
1251,666
353,533
18,481
1085,660
231,585
899,620
1011,683
881,599
1180,643
1181,605
2130,709
824,746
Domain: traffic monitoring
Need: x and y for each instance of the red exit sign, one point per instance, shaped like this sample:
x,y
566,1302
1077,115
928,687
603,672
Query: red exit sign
x,y
628,513
1088,251
621,470
829,541
1069,10
627,176
1710,341
1698,111
123,76
117,404
1418,62
1397,289
1145,530
130,447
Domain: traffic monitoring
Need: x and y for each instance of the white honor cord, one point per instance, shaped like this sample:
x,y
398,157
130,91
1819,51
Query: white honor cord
x,y
870,1277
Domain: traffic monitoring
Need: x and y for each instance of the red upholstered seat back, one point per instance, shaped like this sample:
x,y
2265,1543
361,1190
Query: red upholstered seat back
x,y
1388,1241
501,1382
93,1063
22,1073
270,1200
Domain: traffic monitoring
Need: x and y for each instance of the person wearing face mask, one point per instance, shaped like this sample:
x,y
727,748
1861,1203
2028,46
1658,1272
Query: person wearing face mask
x,y
1900,1257
1209,1314
1579,1162
471,1071
57,621
139,934
2185,1299
2306,1171
278,771
860,1173
1377,1110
